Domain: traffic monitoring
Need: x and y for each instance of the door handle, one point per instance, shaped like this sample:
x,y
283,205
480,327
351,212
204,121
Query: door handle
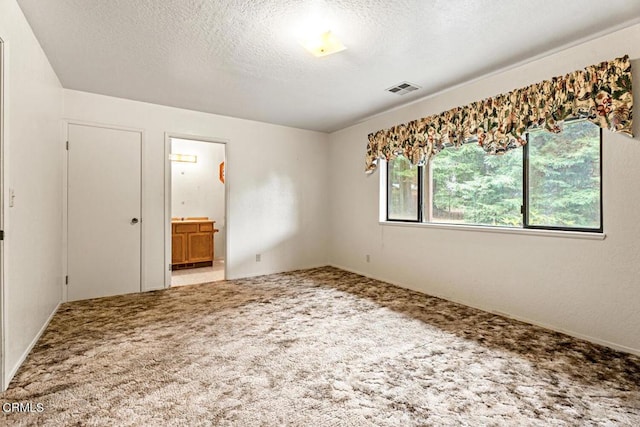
x,y
134,221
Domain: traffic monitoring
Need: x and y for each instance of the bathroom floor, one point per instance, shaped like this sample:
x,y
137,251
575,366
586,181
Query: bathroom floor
x,y
194,276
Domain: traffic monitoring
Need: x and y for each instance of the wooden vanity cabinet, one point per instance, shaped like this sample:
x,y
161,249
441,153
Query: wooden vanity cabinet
x,y
192,243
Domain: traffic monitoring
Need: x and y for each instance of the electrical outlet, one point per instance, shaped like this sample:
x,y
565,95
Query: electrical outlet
x,y
12,197
258,257
368,258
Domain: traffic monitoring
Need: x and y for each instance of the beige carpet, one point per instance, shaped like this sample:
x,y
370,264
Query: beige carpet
x,y
319,347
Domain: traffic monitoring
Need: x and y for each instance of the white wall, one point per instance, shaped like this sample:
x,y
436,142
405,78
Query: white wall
x,y
196,189
33,169
276,179
583,287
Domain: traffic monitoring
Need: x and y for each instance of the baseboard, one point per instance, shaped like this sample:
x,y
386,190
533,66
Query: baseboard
x,y
247,276
578,335
253,275
14,370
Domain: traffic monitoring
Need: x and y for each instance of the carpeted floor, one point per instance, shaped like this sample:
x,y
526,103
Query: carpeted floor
x,y
319,347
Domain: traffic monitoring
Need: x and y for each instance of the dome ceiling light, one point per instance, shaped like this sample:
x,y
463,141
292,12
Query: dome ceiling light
x,y
323,44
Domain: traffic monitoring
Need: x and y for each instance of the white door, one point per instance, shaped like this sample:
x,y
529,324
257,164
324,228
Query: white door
x,y
104,179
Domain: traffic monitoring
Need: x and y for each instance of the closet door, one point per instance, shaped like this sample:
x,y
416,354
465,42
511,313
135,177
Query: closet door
x,y
104,206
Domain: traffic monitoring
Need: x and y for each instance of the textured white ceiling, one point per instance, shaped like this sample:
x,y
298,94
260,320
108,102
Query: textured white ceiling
x,y
242,58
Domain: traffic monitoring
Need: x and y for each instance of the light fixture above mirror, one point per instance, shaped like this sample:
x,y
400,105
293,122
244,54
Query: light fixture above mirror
x,y
188,158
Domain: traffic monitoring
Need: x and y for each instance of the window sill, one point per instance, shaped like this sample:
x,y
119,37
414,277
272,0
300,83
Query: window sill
x,y
504,230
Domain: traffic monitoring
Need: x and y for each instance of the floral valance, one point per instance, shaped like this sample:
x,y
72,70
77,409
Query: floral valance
x,y
601,93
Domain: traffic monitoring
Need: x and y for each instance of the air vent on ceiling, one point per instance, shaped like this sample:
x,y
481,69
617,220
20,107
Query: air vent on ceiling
x,y
403,88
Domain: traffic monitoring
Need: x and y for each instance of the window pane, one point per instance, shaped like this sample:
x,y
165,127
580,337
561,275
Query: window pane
x,y
564,177
403,189
471,187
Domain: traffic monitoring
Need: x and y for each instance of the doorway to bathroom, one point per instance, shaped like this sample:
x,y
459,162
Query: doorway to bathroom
x,y
197,211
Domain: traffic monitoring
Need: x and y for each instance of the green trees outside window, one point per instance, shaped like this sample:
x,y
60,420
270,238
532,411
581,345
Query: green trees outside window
x,y
471,187
553,182
402,187
564,177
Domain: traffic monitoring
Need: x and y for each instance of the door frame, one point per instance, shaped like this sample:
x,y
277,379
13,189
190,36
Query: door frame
x,y
65,198
3,310
167,198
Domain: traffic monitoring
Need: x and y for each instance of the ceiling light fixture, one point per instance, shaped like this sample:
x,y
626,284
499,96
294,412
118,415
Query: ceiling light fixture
x,y
323,44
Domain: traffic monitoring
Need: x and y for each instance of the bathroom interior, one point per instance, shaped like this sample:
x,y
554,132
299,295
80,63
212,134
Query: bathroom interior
x,y
198,231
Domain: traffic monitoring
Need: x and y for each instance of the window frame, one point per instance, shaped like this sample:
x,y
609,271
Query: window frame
x,y
420,195
425,196
525,195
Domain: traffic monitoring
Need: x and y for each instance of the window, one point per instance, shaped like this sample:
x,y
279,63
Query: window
x,y
470,187
404,190
553,182
564,178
